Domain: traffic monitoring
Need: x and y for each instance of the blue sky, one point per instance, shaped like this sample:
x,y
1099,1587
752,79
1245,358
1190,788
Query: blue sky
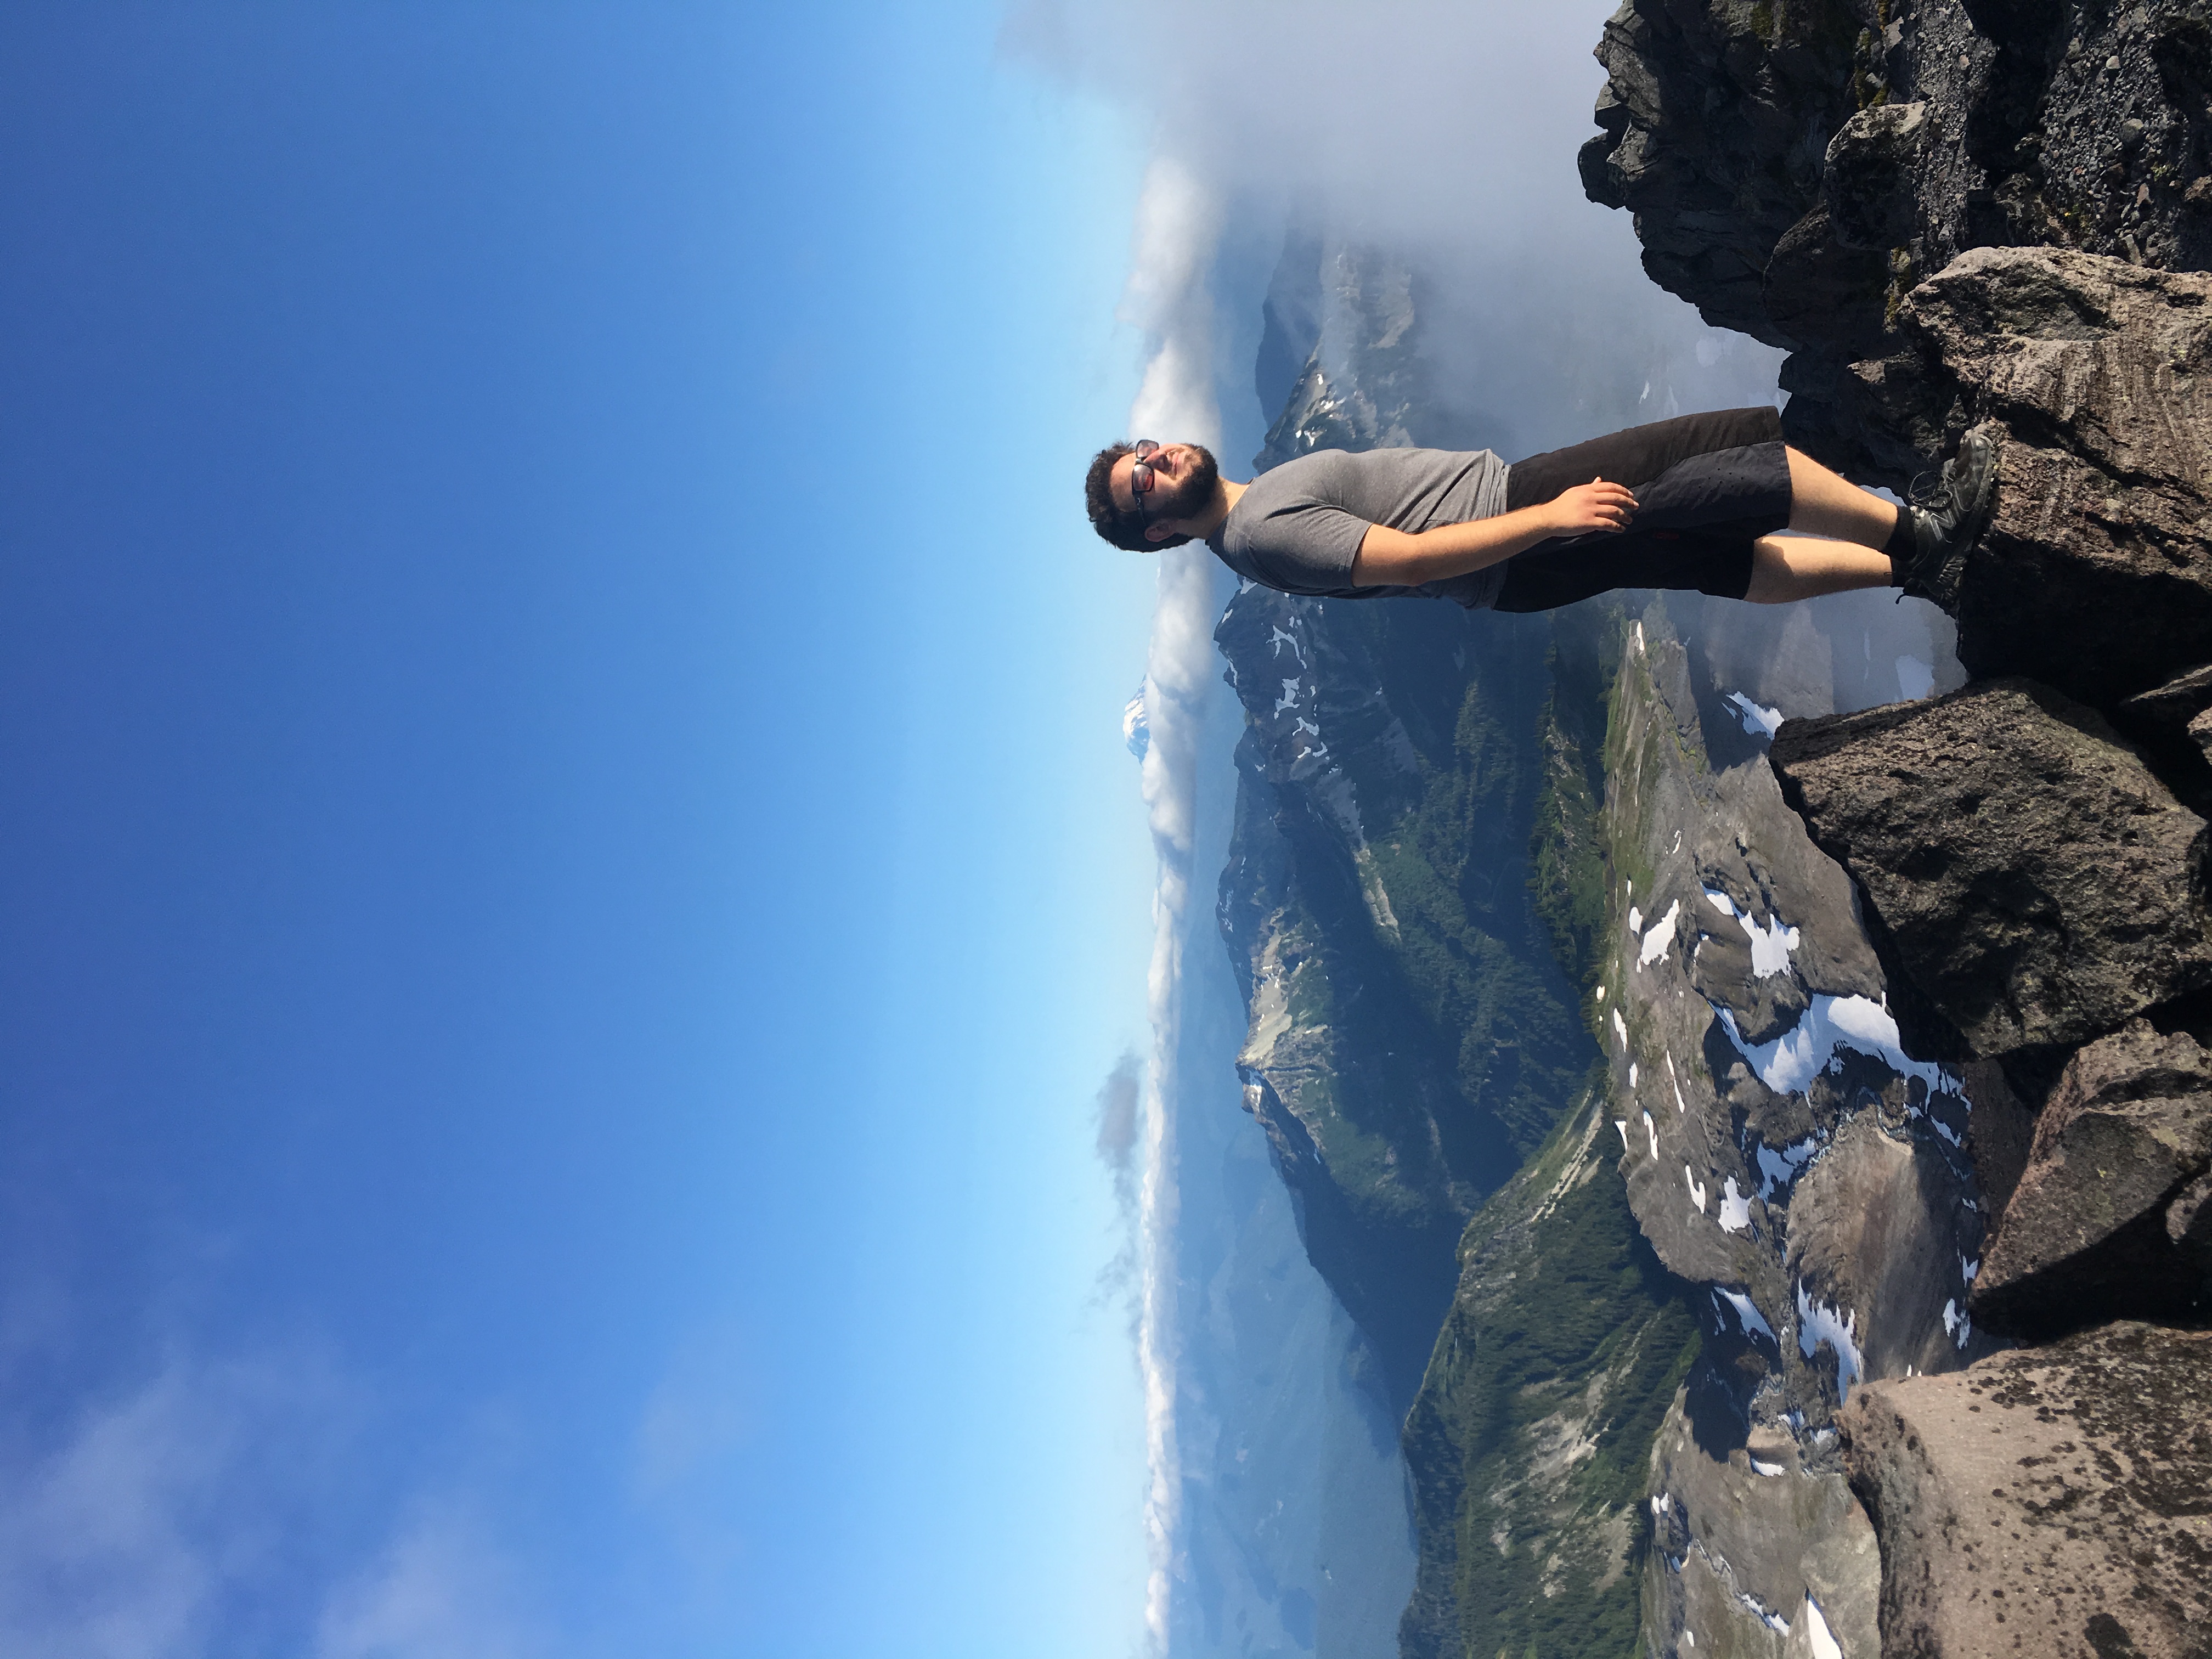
x,y
567,873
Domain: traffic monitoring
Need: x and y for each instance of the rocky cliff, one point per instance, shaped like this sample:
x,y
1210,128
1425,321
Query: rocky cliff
x,y
1956,213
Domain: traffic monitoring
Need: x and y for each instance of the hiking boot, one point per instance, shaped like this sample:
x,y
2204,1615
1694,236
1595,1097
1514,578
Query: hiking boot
x,y
1947,519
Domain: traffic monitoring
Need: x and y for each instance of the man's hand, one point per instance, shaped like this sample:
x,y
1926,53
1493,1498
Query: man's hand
x,y
1389,556
1596,505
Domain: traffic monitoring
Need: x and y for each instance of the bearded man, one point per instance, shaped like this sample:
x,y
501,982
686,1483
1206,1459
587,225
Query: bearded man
x,y
1696,502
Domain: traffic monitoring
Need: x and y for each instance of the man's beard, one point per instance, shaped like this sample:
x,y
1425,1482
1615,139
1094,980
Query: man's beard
x,y
1194,495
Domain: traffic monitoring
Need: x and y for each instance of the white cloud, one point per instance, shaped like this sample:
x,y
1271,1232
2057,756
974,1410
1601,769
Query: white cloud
x,y
441,1590
127,1534
1169,299
1403,120
202,1510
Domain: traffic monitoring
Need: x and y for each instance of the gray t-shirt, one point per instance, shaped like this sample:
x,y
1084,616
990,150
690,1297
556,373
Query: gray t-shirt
x,y
1297,525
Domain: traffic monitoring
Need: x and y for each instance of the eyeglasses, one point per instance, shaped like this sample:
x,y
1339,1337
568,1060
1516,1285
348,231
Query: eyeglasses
x,y
1140,474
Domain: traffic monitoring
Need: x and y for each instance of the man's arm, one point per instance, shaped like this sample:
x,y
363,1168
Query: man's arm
x,y
1392,558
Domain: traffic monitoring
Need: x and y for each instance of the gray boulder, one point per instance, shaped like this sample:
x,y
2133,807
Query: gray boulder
x,y
2096,575
2053,1500
1816,285
2189,1225
2028,875
2168,710
2173,723
2084,1235
1871,185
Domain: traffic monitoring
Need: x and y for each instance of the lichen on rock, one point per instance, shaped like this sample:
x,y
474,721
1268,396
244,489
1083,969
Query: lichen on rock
x,y
2054,1500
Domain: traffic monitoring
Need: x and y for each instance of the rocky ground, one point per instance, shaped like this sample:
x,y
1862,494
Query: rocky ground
x,y
1955,214
1782,1149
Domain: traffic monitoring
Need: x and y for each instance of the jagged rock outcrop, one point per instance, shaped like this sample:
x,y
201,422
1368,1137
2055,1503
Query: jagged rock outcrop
x,y
2096,575
2054,1500
2034,882
1796,169
1717,120
2129,1127
2002,212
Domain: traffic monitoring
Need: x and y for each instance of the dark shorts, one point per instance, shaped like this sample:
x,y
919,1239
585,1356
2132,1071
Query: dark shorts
x,y
1707,487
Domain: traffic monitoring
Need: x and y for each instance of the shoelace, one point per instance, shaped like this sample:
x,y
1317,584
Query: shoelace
x,y
1933,493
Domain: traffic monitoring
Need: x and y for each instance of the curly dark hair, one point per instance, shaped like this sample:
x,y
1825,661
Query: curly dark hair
x,y
1124,530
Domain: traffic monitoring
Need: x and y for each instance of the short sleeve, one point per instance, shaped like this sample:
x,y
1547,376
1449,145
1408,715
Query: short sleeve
x,y
1305,545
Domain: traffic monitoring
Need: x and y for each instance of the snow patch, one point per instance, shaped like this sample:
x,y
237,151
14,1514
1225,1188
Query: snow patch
x,y
1823,1644
1736,1209
1793,1059
1770,943
1635,920
1620,1028
1957,1324
1651,1130
1771,947
1136,728
1751,1605
1820,1322
1696,1187
1748,1315
1621,1124
1780,1168
1659,936
1758,1467
1631,1075
1758,721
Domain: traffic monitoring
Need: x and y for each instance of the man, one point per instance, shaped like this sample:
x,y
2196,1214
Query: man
x,y
1691,503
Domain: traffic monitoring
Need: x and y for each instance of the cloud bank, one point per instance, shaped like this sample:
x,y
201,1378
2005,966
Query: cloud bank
x,y
1169,299
1411,122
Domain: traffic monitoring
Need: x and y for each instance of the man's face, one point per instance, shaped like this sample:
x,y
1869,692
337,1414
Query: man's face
x,y
1184,480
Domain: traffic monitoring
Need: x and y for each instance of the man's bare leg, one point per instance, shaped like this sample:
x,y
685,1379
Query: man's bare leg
x,y
1823,504
1786,568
